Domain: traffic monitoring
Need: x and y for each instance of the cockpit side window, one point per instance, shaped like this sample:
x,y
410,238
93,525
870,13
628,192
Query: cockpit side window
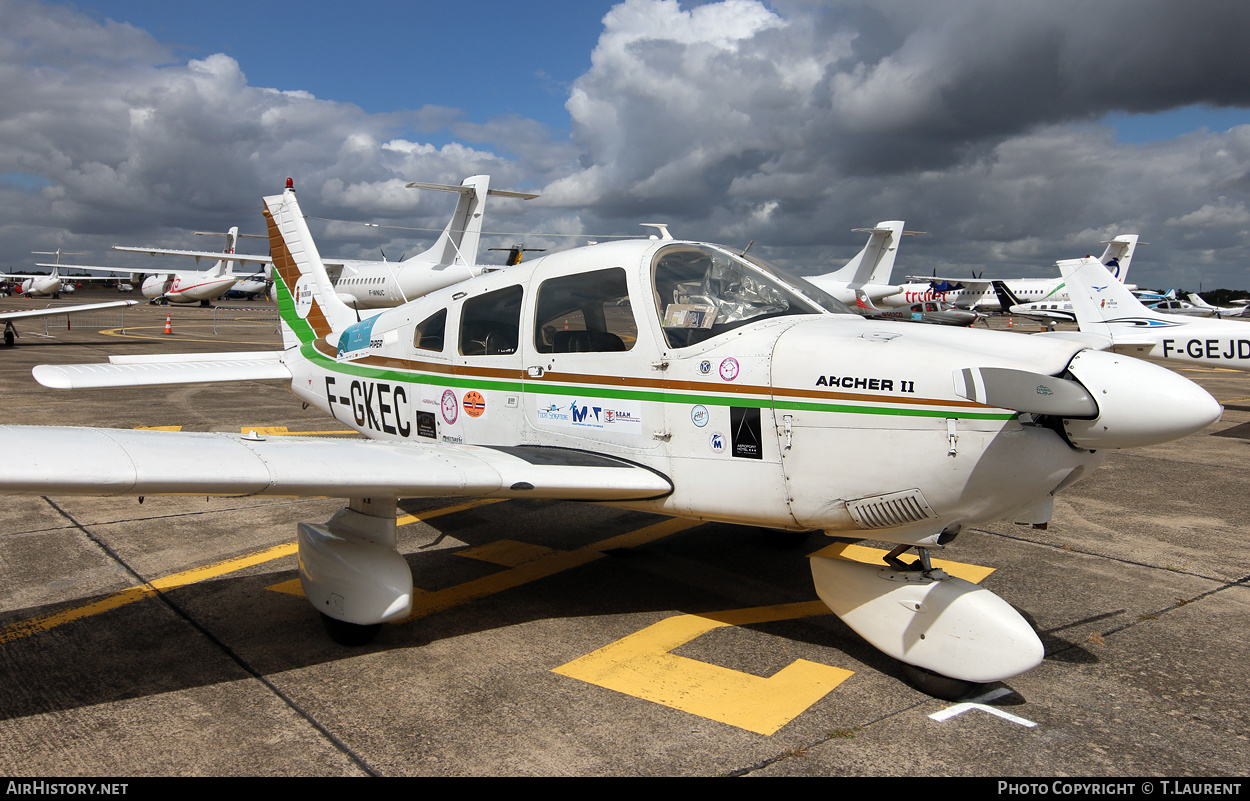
x,y
585,312
430,332
701,292
490,323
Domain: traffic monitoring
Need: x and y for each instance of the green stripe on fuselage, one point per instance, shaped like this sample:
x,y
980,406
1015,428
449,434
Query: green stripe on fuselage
x,y
582,390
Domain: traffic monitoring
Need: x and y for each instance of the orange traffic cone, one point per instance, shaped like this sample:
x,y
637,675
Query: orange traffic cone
x,y
169,328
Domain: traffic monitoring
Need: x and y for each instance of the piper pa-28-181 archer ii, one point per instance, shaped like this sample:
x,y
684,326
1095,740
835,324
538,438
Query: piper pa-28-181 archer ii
x,y
669,376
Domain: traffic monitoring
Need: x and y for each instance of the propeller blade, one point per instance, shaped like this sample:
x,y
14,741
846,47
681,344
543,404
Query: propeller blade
x,y
1025,391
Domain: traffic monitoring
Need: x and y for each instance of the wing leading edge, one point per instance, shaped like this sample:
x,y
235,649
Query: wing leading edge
x,y
50,460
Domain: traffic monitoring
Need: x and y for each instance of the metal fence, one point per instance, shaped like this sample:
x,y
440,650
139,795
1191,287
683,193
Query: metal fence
x,y
233,317
96,320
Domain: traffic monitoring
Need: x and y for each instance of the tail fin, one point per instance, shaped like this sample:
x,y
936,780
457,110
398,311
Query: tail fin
x,y
225,266
307,303
1097,298
1119,255
458,243
1006,298
875,262
863,303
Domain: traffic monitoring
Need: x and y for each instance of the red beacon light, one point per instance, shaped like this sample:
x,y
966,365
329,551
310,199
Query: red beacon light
x,y
290,183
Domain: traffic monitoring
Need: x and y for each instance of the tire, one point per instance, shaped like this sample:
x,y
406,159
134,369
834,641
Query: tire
x,y
352,635
937,685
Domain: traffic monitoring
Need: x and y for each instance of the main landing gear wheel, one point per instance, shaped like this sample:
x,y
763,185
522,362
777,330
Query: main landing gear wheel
x,y
349,634
937,685
10,338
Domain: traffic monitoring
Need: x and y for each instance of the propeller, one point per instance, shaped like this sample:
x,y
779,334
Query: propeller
x,y
1025,391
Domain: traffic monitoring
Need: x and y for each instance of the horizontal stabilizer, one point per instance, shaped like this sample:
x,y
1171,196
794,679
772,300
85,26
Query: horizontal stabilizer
x,y
49,460
95,376
1025,391
208,356
1095,341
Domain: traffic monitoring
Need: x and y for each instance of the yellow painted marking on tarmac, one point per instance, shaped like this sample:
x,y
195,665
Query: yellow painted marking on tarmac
x,y
643,666
550,564
507,553
25,628
158,428
129,595
283,431
430,514
859,553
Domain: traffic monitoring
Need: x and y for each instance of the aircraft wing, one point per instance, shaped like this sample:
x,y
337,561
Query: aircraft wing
x,y
54,310
172,369
53,460
72,278
194,254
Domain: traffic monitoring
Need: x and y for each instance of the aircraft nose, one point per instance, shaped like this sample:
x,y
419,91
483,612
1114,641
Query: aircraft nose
x,y
1139,403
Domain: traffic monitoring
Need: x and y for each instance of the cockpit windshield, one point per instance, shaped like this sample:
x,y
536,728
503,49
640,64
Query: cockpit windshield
x,y
701,291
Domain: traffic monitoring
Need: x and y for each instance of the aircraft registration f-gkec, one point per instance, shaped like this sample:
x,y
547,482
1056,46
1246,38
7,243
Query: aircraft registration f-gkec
x,y
669,376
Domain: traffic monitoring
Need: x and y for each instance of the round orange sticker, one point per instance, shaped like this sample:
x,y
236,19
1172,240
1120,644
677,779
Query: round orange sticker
x,y
474,404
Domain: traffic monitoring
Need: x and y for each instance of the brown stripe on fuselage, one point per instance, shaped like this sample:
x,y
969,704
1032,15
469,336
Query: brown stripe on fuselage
x,y
636,382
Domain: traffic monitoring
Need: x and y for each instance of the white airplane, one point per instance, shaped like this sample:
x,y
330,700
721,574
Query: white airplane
x,y
869,270
53,283
1106,311
1236,310
663,375
7,317
364,284
980,294
1184,307
187,286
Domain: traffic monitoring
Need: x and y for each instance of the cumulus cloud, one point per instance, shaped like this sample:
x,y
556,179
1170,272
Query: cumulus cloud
x,y
793,122
787,122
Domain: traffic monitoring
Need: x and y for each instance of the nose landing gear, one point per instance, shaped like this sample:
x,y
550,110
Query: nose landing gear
x,y
950,634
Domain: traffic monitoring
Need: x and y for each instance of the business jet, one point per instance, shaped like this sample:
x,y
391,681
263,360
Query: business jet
x,y
664,375
365,284
980,294
1106,311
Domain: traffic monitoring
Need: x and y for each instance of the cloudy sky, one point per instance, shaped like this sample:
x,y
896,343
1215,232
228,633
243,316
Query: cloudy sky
x,y
1013,133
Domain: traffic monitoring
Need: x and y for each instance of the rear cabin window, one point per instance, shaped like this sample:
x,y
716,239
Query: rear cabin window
x,y
585,313
430,332
490,323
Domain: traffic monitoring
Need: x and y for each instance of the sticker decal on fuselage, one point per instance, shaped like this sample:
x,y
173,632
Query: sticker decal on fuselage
x,y
599,413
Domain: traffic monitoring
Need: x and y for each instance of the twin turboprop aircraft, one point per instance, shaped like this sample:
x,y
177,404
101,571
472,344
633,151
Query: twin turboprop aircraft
x,y
1031,294
188,286
669,376
364,284
1107,311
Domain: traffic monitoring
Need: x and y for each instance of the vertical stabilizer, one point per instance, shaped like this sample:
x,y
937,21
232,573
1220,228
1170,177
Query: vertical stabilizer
x,y
1119,255
458,243
1098,298
307,303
